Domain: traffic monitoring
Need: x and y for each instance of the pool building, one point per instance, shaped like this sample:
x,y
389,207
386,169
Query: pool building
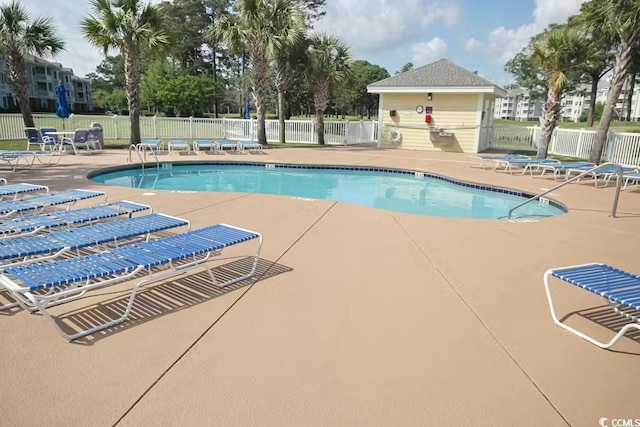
x,y
438,107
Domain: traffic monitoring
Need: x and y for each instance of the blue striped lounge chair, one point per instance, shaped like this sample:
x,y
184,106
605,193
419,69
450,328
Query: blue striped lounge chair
x,y
38,203
488,158
25,250
15,190
619,288
199,144
603,174
244,146
525,164
631,177
154,145
222,144
47,246
41,285
178,144
31,224
559,169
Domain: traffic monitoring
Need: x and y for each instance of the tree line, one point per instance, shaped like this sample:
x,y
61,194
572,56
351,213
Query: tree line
x,y
203,57
603,38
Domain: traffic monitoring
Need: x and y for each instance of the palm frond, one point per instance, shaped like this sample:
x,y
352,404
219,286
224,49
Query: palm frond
x,y
21,35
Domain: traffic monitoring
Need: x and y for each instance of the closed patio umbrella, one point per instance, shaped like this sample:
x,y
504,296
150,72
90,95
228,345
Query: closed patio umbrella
x,y
61,97
247,111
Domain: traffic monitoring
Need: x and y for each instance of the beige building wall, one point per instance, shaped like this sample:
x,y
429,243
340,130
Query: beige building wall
x,y
456,113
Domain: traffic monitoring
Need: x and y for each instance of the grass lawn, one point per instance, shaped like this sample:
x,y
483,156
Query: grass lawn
x,y
615,126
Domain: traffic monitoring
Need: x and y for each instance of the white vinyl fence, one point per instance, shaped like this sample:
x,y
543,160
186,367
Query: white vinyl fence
x,y
118,128
621,147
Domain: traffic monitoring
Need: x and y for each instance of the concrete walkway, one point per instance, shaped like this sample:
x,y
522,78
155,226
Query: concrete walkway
x,y
360,316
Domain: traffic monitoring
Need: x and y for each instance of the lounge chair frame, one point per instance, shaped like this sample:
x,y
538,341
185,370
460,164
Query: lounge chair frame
x,y
221,144
526,164
603,175
175,145
245,146
609,277
631,177
38,203
42,299
14,190
67,218
199,144
489,158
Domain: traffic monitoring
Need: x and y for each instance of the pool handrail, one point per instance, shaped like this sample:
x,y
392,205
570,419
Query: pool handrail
x,y
614,209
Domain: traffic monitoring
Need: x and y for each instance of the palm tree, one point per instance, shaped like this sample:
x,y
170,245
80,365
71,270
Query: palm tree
x,y
289,30
620,19
555,53
598,61
634,73
128,26
262,28
20,35
329,61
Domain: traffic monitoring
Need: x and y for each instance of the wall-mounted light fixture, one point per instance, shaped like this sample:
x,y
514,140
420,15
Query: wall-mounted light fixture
x,y
429,96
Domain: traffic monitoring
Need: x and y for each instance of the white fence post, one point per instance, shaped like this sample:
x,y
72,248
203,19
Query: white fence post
x,y
72,121
191,127
312,129
580,142
115,124
610,145
155,127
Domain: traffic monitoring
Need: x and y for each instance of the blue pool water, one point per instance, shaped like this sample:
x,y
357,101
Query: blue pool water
x,y
400,191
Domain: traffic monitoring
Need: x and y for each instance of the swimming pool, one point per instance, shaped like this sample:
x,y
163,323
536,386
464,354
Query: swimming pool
x,y
390,189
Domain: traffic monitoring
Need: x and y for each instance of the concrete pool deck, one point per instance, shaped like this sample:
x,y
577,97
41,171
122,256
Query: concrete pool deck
x,y
360,316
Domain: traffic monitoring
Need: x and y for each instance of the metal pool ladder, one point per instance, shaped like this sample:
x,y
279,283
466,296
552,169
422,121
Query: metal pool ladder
x,y
595,168
137,148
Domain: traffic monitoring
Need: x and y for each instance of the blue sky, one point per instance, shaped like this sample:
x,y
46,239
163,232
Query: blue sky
x,y
478,35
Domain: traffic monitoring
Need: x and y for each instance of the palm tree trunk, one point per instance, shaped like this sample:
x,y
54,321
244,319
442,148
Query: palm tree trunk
x,y
18,82
321,100
259,61
632,86
281,87
214,70
620,71
548,121
592,102
132,83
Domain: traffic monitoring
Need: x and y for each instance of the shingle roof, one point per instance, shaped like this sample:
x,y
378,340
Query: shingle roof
x,y
442,73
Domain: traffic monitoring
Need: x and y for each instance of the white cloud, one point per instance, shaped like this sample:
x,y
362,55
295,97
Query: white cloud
x,y
424,53
375,25
505,43
473,44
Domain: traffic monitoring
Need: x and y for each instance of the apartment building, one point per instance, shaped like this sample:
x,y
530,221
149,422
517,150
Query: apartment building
x,y
42,79
622,106
573,104
518,105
